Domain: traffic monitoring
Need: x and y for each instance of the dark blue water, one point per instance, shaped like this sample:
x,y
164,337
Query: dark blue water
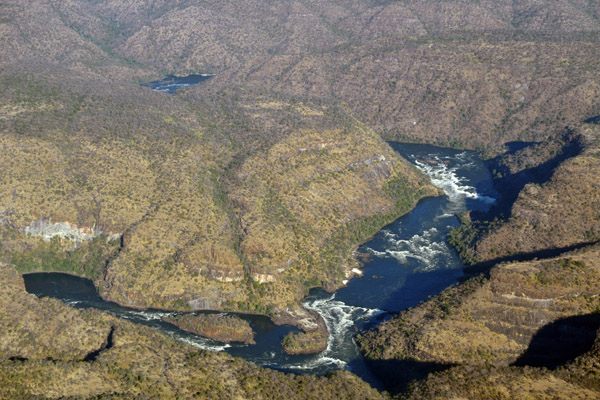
x,y
592,120
81,293
171,84
409,261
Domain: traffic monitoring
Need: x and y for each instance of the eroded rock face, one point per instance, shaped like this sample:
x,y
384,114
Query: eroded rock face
x,y
274,178
197,232
242,195
299,214
538,313
65,230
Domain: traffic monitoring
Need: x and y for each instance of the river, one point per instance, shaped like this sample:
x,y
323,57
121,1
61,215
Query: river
x,y
409,260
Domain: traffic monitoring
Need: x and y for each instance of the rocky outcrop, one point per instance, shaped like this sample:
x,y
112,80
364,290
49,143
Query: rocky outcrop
x,y
65,230
205,224
314,336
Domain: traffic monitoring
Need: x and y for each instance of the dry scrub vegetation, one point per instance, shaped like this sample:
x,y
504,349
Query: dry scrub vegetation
x,y
535,313
204,225
245,191
560,213
491,319
89,354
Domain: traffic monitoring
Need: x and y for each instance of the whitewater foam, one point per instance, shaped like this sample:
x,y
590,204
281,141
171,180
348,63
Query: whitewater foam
x,y
445,177
146,315
425,247
389,234
339,318
428,247
199,342
171,87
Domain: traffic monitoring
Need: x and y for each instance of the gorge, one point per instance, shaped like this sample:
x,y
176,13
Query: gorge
x,y
406,262
282,178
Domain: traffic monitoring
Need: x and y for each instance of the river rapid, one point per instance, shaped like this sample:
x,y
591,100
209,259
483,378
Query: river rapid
x,y
408,261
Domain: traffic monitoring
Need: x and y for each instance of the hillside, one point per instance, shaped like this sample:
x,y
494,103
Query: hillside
x,y
245,191
575,380
553,214
89,354
495,334
196,222
198,197
461,73
538,313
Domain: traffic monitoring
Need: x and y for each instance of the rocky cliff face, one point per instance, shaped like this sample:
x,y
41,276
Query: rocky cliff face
x,y
65,230
492,318
539,313
293,212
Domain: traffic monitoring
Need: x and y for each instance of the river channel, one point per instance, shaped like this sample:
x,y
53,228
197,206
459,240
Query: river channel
x,y
408,261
